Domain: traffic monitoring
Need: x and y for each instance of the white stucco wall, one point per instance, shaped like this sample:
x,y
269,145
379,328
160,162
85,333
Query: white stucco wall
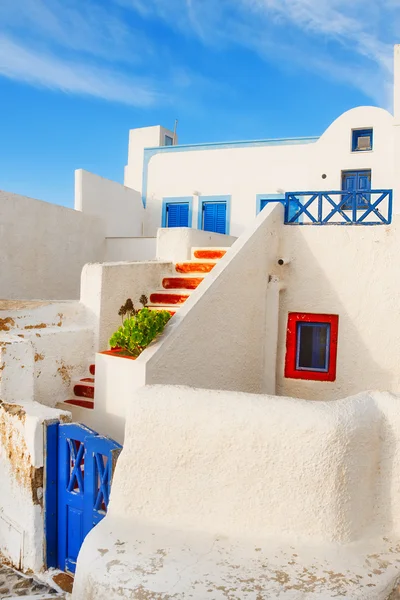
x,y
139,139
130,248
258,495
244,172
175,244
120,207
43,248
105,287
44,348
218,337
351,272
22,456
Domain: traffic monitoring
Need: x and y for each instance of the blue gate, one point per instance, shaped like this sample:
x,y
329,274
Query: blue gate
x,y
85,463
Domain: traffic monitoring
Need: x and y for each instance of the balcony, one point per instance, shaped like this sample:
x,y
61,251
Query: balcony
x,y
372,207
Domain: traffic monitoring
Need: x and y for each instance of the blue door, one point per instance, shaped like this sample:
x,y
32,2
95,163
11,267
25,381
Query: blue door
x,y
86,464
358,182
214,217
177,214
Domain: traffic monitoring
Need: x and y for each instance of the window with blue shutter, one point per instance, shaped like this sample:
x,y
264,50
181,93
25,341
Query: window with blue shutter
x,y
214,217
177,214
362,140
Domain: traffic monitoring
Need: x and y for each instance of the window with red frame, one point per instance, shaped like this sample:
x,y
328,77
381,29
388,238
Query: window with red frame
x,y
311,346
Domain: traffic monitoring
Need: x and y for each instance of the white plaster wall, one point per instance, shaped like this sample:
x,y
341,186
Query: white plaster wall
x,y
44,347
43,248
279,466
130,248
351,272
220,493
218,337
139,139
120,207
22,455
175,244
105,287
245,172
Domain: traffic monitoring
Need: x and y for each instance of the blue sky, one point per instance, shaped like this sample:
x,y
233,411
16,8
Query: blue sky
x,y
76,75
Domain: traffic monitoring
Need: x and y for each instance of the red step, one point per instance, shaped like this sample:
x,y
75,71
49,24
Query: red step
x,y
84,391
82,403
194,267
88,379
167,298
92,369
187,283
210,254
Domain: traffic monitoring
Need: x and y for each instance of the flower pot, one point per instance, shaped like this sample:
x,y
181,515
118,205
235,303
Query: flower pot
x,y
118,352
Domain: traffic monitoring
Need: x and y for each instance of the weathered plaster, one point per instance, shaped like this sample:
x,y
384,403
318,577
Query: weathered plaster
x,y
22,458
249,496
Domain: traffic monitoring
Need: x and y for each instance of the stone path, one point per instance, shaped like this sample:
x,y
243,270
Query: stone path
x,y
14,585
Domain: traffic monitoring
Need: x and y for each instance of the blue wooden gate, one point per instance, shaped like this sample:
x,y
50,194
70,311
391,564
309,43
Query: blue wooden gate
x,y
85,463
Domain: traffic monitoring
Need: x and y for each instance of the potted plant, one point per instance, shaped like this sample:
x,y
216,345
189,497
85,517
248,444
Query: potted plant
x,y
139,328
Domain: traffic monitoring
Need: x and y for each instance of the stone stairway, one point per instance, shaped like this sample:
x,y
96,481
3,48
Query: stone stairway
x,y
174,293
83,391
177,289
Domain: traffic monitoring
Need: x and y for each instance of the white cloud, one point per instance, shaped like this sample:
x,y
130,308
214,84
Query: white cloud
x,y
29,66
348,40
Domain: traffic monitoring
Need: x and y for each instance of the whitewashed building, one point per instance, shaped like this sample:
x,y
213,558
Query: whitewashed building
x,y
279,260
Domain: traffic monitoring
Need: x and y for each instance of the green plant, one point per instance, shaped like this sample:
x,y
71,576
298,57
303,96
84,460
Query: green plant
x,y
139,330
128,310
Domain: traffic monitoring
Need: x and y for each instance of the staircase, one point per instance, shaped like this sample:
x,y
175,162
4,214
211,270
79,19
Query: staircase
x,y
83,391
175,291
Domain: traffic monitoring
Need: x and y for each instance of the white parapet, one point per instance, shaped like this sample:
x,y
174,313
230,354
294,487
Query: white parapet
x,y
258,494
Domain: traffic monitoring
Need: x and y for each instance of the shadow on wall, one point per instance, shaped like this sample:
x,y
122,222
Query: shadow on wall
x,y
343,271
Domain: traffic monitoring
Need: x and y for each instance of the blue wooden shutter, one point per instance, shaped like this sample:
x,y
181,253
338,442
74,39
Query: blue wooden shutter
x,y
214,217
178,214
220,225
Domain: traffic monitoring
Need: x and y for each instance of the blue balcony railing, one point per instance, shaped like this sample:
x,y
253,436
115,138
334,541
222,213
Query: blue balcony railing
x,y
372,207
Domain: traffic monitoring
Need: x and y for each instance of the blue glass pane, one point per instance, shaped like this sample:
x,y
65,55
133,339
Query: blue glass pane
x,y
313,346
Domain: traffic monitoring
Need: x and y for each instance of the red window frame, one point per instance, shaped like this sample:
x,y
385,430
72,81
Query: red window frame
x,y
291,346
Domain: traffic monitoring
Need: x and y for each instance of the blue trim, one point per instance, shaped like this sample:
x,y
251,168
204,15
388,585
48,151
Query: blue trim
x,y
152,151
178,199
345,198
271,197
357,133
226,199
50,495
327,326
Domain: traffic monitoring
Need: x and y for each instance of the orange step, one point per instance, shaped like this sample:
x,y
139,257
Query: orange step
x,y
209,254
194,267
168,298
84,391
186,283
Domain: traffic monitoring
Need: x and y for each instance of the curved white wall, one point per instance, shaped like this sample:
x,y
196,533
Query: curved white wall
x,y
244,172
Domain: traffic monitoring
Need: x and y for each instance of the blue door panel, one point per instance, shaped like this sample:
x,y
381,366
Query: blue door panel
x,y
85,466
357,181
178,214
214,216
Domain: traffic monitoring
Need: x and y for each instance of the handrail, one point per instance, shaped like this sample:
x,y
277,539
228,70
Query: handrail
x,y
358,207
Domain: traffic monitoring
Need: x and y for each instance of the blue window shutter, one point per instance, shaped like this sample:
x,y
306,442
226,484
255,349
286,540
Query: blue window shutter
x,y
178,214
214,217
221,218
209,217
